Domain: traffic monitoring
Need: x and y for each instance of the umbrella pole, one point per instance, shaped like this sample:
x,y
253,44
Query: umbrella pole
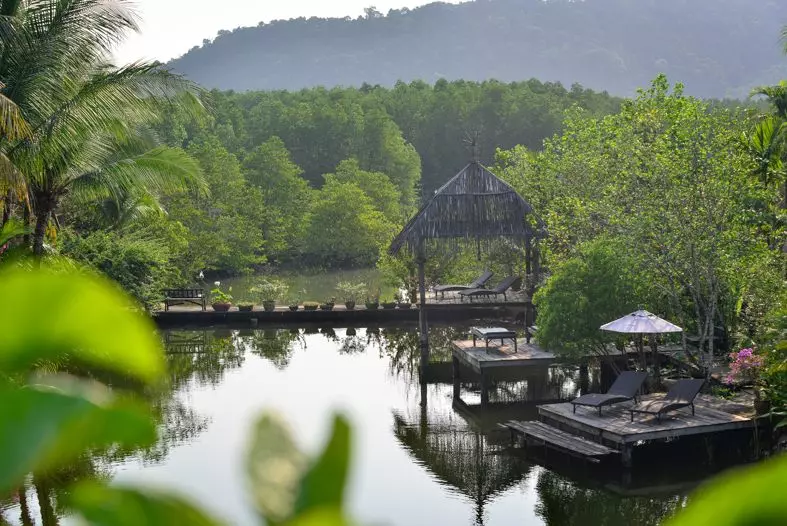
x,y
643,361
654,347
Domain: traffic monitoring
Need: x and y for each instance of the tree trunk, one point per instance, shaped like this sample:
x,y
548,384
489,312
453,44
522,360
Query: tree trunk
x,y
26,222
7,207
42,221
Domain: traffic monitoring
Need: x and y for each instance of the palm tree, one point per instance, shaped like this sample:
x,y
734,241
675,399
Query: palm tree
x,y
86,117
765,144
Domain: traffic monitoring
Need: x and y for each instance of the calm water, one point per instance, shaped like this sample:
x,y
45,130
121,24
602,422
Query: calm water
x,y
317,286
419,456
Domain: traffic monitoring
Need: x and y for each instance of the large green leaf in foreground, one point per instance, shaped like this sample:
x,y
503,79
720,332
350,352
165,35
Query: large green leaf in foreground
x,y
286,488
104,506
43,428
47,316
752,496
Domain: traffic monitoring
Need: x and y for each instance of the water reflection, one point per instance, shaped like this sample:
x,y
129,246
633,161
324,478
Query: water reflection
x,y
565,502
428,447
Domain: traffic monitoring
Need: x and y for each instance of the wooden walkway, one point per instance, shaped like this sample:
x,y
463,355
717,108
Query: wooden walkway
x,y
555,438
712,415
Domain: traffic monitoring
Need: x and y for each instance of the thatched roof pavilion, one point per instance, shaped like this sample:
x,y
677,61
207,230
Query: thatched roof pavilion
x,y
474,207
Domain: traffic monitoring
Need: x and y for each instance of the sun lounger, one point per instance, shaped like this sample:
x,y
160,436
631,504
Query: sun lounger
x,y
625,388
477,284
502,288
680,395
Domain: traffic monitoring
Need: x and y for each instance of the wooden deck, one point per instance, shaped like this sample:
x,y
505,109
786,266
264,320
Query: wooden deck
x,y
440,311
556,439
479,357
712,415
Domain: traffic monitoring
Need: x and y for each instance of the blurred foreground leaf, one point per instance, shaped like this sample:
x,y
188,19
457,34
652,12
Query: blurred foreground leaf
x,y
44,428
742,497
275,466
323,485
320,517
112,506
48,316
286,489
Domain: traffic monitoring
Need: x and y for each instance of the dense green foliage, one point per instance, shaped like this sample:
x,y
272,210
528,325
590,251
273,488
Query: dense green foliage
x,y
595,286
670,179
49,421
325,178
717,47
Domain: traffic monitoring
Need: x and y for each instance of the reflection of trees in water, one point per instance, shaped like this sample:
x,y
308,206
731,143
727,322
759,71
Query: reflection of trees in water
x,y
275,345
461,459
193,358
402,347
562,502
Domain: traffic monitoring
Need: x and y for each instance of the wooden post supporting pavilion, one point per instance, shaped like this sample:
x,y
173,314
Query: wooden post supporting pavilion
x,y
423,327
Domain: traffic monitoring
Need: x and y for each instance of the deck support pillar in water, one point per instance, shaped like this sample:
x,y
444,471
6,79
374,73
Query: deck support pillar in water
x,y
423,328
457,380
484,389
625,455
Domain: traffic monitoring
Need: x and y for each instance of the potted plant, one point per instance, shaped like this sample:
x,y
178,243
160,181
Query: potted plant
x,y
220,301
294,301
310,305
746,368
328,305
269,290
402,301
372,303
388,305
350,291
246,306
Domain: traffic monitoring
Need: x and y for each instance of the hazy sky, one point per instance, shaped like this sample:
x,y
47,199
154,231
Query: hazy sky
x,y
172,27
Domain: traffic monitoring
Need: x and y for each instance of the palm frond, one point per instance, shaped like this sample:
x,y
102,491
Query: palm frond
x,y
776,95
12,229
54,41
784,39
12,125
161,170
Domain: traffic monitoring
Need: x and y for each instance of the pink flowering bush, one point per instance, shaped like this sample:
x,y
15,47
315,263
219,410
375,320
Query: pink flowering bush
x,y
745,367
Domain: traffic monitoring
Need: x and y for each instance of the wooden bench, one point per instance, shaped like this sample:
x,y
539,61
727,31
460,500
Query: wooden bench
x,y
555,438
181,296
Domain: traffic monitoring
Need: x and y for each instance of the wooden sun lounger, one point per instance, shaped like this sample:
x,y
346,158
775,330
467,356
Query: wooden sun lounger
x,y
680,395
477,284
500,289
625,388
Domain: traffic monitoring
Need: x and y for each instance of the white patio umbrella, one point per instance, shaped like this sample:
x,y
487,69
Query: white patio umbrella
x,y
641,322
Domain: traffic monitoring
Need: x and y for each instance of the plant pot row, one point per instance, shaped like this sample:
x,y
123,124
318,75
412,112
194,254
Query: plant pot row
x,y
388,305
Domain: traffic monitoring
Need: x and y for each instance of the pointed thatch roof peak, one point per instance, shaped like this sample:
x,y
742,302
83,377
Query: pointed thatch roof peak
x,y
474,206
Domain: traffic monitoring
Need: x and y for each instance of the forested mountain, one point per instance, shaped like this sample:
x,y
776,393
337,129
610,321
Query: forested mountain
x,y
717,48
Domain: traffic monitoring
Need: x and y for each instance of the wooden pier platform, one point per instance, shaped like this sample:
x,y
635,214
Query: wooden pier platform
x,y
711,416
479,358
614,427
